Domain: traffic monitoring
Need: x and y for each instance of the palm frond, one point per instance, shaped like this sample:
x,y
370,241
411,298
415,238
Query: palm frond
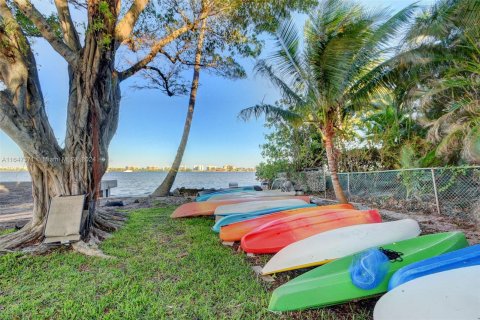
x,y
271,112
266,70
287,59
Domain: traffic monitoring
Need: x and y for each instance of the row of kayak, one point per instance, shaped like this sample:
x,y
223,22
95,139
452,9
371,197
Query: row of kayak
x,y
356,255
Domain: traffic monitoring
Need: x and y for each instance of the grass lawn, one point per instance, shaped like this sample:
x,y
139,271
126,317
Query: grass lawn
x,y
165,269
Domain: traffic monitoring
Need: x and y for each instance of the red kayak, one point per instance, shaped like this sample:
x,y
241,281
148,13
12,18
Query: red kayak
x,y
207,208
235,231
275,235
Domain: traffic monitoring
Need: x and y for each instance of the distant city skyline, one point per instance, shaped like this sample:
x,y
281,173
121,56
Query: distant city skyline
x,y
194,168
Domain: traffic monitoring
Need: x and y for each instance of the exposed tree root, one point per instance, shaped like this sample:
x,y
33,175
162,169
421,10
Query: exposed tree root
x,y
29,238
90,249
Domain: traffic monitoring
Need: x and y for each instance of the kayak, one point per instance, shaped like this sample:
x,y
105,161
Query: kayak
x,y
235,231
465,257
331,283
251,194
207,208
208,195
208,191
276,235
256,205
233,218
452,294
326,246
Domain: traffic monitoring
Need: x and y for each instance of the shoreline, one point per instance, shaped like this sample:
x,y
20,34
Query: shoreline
x,y
16,207
16,203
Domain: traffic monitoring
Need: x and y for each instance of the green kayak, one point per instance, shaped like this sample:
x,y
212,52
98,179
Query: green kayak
x,y
331,284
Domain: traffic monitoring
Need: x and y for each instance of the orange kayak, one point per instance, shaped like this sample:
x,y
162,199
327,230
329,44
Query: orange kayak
x,y
207,208
235,231
275,235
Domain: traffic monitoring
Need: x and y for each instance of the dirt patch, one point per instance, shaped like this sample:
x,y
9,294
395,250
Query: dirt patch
x,y
16,203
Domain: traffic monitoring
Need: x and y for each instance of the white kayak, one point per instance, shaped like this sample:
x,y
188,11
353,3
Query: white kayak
x,y
245,207
452,294
250,194
326,246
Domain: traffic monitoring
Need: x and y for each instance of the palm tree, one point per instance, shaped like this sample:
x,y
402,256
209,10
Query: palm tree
x,y
335,73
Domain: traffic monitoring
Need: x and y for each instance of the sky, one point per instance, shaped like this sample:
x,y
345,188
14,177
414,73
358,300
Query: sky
x,y
151,123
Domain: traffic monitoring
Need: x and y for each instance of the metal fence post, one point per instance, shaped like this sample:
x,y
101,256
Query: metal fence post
x,y
348,183
435,190
325,183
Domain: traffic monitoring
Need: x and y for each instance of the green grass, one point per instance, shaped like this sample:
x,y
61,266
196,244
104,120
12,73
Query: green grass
x,y
165,269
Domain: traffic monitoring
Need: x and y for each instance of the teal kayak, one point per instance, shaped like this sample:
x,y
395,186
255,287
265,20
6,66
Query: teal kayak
x,y
205,197
331,283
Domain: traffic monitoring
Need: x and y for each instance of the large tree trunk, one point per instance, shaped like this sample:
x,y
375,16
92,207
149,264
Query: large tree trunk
x,y
93,104
328,134
164,188
92,119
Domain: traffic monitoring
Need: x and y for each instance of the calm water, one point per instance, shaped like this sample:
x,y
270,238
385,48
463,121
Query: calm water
x,y
143,183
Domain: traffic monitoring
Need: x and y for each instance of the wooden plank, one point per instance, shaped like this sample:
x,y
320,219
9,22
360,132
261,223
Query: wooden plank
x,y
64,219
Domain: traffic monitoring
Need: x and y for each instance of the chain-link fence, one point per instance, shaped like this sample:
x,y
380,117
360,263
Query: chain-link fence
x,y
453,191
309,180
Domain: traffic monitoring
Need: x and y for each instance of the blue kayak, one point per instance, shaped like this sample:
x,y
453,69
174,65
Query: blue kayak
x,y
466,257
205,197
238,217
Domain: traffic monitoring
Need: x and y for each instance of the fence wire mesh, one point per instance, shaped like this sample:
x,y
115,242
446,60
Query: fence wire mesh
x,y
453,191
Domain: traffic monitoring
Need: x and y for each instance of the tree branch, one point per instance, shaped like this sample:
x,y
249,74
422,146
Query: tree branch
x,y
124,28
30,141
41,23
70,35
164,79
154,50
159,45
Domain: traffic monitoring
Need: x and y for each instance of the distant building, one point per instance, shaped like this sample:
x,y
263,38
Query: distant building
x,y
198,167
228,168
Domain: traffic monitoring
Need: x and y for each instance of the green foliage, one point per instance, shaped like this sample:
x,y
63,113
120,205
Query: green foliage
x,y
289,148
6,231
31,31
324,84
422,94
269,171
441,80
233,31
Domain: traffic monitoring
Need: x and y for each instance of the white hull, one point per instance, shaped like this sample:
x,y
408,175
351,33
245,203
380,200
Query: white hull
x,y
250,194
338,243
246,207
453,294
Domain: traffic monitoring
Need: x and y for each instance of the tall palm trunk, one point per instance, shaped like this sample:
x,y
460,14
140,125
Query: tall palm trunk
x,y
164,188
328,134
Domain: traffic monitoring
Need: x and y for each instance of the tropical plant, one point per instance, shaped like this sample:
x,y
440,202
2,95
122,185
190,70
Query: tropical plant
x,y
289,148
443,76
336,72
